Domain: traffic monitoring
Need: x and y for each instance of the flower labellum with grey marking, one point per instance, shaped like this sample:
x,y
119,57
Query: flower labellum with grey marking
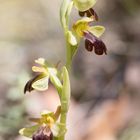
x,y
92,41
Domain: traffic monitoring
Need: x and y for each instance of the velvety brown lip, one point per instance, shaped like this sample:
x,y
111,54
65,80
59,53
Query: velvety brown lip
x,y
92,41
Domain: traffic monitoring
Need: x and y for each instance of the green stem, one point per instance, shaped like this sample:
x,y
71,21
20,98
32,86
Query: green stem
x,y
63,121
65,100
68,57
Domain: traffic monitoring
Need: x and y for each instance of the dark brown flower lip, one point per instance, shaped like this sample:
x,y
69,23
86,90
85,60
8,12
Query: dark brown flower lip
x,y
28,86
100,48
88,45
89,13
92,41
43,133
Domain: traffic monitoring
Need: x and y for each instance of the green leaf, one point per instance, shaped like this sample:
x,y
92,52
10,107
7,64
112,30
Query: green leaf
x,y
97,30
83,5
65,98
58,129
29,131
41,84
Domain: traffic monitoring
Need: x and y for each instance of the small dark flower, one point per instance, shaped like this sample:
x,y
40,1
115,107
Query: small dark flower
x,y
91,35
89,13
43,134
92,41
46,126
46,73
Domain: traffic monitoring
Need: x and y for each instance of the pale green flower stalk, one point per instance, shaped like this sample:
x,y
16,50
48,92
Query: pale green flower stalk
x,y
52,125
72,42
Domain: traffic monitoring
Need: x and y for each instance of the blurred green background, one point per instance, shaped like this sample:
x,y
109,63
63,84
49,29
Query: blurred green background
x,y
105,89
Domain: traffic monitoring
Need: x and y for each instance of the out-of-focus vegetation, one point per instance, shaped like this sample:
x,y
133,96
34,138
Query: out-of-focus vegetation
x,y
105,89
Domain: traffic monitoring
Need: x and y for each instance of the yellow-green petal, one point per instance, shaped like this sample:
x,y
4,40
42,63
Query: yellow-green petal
x,y
97,30
41,84
46,113
82,25
84,20
40,61
39,69
29,131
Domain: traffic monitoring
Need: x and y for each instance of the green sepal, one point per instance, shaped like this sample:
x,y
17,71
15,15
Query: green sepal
x,y
97,30
43,63
73,44
85,20
83,5
71,38
58,129
41,84
29,131
82,25
40,61
47,113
